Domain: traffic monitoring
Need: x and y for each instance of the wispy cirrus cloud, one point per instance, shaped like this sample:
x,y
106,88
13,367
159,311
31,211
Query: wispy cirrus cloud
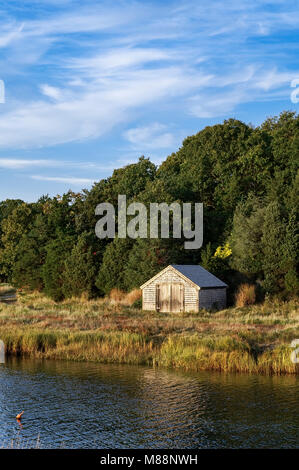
x,y
136,73
65,180
23,164
94,110
217,103
51,92
17,163
152,136
10,33
111,70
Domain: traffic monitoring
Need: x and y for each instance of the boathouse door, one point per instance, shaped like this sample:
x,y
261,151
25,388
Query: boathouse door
x,y
170,297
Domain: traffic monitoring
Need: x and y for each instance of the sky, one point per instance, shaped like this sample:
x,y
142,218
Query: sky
x,y
89,86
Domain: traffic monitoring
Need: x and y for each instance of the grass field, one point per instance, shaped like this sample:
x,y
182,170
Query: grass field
x,y
253,339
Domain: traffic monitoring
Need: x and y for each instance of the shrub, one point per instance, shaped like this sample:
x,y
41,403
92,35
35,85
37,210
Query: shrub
x,y
117,295
137,304
133,296
245,295
121,297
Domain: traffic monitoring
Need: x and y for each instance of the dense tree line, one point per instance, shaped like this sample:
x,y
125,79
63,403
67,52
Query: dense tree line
x,y
247,179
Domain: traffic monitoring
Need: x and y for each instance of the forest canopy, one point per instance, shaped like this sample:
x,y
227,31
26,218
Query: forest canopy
x,y
247,180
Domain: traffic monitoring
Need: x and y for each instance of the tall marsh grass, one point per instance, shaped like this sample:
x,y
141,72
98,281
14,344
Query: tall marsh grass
x,y
189,352
245,295
252,338
124,298
222,354
112,347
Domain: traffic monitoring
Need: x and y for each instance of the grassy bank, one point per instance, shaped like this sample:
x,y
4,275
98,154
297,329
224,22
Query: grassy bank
x,y
254,339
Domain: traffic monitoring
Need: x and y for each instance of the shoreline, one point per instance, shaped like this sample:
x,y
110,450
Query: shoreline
x,y
253,339
182,353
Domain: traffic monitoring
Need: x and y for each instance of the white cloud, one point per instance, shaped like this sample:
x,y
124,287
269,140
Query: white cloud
x,y
16,163
62,179
51,92
113,67
119,58
10,34
82,19
205,106
94,111
228,91
23,164
272,79
150,137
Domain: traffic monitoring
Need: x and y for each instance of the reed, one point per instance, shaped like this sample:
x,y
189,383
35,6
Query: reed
x,y
253,338
224,355
132,296
245,295
117,296
112,347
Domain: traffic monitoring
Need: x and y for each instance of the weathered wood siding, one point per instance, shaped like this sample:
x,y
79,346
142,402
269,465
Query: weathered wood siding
x,y
149,300
212,298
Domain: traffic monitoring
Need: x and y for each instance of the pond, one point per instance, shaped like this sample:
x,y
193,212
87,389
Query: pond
x,y
88,405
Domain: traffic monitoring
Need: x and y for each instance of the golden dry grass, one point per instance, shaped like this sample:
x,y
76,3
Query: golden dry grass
x,y
132,296
245,295
253,338
118,296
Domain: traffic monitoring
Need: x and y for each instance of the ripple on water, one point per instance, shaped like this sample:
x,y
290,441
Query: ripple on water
x,y
110,406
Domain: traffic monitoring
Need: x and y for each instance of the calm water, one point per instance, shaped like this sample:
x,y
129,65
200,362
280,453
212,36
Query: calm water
x,y
90,405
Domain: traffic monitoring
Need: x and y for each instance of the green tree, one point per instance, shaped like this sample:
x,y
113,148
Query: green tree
x,y
147,258
111,273
78,276
246,177
272,248
290,255
246,236
52,271
27,267
13,228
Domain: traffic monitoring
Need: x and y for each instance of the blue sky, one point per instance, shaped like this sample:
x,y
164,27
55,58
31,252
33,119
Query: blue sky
x,y
91,85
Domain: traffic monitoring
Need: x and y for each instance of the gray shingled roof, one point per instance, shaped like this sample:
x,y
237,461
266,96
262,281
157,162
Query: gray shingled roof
x,y
199,275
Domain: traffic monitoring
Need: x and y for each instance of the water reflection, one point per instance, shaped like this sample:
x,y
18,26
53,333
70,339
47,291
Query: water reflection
x,y
108,406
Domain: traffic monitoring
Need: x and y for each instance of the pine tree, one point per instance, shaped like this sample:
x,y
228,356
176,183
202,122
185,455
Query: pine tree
x,y
245,239
111,273
272,245
147,258
27,268
52,272
290,250
78,276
